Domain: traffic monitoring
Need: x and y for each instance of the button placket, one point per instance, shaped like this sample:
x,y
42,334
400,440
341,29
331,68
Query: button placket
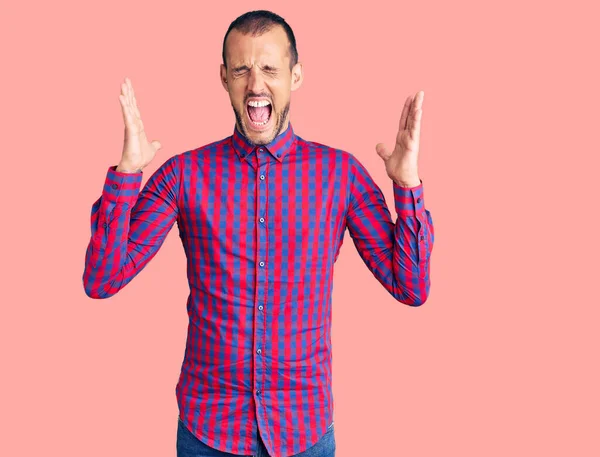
x,y
261,271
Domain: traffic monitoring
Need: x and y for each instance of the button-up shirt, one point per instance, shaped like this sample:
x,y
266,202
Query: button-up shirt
x,y
261,227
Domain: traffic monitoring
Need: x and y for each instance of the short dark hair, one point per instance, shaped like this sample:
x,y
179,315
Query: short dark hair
x,y
258,22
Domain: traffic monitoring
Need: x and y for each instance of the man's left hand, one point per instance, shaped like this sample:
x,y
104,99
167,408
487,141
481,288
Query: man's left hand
x,y
401,163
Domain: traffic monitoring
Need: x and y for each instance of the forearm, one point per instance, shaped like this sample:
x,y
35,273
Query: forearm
x,y
129,226
108,245
413,242
397,253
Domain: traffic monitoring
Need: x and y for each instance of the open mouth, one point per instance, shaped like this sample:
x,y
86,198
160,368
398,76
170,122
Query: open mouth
x,y
259,113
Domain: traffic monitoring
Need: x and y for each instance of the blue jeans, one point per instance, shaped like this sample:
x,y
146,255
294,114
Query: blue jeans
x,y
190,446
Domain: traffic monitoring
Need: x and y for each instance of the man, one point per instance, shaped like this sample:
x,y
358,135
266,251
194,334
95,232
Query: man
x,y
262,216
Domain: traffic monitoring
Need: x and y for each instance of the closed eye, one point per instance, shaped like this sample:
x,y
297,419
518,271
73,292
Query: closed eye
x,y
244,68
239,70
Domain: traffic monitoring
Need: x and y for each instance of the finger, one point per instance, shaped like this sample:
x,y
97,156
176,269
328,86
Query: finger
x,y
131,96
382,151
404,115
411,112
124,91
135,106
416,106
122,108
416,124
126,113
157,144
421,96
129,89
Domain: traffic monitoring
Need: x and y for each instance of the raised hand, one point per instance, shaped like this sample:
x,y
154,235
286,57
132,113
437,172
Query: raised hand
x,y
401,163
137,151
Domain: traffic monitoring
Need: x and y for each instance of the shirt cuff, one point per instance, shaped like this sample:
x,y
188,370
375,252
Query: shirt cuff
x,y
120,187
409,201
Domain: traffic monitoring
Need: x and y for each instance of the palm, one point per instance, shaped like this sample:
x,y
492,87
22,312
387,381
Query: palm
x,y
136,147
402,160
406,148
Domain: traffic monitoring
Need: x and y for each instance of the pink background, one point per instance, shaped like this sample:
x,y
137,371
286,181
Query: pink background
x,y
503,357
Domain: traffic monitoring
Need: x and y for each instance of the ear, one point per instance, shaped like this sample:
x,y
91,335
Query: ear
x,y
297,76
223,74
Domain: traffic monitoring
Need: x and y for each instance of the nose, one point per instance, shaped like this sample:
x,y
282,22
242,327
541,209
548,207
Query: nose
x,y
255,81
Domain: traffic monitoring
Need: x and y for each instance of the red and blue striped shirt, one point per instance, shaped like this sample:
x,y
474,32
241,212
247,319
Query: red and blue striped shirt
x,y
261,227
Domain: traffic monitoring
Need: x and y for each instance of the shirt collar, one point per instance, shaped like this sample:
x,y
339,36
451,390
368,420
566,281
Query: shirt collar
x,y
278,148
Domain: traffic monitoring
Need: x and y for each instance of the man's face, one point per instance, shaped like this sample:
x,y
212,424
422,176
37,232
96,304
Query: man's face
x,y
259,81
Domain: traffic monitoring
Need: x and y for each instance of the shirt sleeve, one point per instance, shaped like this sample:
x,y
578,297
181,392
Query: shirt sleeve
x,y
397,254
128,226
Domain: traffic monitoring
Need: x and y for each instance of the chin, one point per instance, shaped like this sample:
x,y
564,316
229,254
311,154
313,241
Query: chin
x,y
260,136
258,133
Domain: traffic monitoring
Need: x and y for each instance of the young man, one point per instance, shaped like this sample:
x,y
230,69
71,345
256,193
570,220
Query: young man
x,y
261,215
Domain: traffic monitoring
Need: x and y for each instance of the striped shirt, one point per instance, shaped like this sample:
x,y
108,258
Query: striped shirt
x,y
261,227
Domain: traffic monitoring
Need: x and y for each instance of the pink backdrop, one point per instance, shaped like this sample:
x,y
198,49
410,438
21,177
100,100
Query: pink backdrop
x,y
501,360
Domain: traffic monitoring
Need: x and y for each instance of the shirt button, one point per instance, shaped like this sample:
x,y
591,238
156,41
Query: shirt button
x,y
104,225
114,186
258,351
279,154
260,149
419,200
260,307
258,392
262,219
262,264
422,237
262,176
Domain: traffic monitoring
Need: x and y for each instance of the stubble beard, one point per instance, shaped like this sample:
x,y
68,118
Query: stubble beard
x,y
278,126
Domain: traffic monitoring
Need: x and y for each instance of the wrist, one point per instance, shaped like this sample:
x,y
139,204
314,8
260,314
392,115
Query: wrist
x,y
411,182
128,169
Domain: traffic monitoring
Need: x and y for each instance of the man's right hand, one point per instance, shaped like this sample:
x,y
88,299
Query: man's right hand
x,y
137,151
